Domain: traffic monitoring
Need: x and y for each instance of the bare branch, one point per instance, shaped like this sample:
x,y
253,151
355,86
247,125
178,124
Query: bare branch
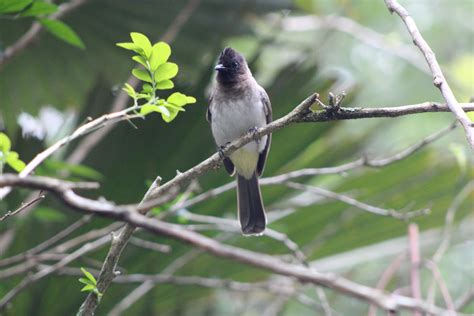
x,y
23,206
447,232
465,300
438,78
387,275
358,31
150,245
46,244
415,259
441,284
279,179
351,201
303,274
51,269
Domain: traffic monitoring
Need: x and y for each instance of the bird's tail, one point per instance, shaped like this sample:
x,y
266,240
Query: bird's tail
x,y
249,201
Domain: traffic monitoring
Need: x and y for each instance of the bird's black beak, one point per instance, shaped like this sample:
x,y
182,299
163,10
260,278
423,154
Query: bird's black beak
x,y
220,67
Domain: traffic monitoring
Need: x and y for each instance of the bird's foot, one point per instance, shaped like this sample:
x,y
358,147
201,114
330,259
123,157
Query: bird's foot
x,y
221,149
254,131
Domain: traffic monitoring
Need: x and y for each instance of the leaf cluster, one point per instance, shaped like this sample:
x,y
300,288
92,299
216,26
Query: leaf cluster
x,y
156,74
7,156
39,10
90,283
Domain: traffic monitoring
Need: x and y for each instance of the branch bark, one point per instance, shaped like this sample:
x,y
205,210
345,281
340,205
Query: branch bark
x,y
438,78
269,263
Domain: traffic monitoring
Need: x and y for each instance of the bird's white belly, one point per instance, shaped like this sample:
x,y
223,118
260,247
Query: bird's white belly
x,y
230,121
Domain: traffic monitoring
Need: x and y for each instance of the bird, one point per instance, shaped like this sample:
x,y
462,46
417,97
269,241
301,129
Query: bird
x,y
239,105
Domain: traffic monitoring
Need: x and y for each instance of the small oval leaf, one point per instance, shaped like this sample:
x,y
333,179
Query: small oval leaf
x,y
166,71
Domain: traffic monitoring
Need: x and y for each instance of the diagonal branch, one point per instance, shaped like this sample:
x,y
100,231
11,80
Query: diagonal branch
x,y
438,78
269,263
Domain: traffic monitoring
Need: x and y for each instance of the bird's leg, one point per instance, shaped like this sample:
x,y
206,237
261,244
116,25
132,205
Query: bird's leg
x,y
254,131
221,149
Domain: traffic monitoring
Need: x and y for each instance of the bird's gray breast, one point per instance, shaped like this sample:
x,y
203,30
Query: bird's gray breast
x,y
234,116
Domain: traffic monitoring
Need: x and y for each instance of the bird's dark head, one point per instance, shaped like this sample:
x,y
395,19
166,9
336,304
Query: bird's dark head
x,y
231,67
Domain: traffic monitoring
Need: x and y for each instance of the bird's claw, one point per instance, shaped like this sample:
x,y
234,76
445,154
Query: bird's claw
x,y
254,131
221,149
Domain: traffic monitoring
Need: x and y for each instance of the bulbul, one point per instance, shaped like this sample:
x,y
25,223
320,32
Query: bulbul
x,y
238,104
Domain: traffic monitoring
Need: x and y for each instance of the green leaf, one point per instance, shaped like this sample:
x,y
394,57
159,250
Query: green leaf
x,y
47,214
148,108
142,41
190,100
5,143
160,53
39,8
166,71
88,288
89,275
10,6
164,84
86,281
173,112
147,88
14,161
62,31
142,74
141,60
178,99
130,46
130,90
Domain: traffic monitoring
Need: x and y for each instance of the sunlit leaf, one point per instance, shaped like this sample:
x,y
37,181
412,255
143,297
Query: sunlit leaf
x,y
5,143
166,71
164,84
89,276
141,41
141,60
142,74
14,161
160,53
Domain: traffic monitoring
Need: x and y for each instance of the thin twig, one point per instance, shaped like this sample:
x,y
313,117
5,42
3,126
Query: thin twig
x,y
387,275
351,201
51,269
415,259
47,243
447,232
441,284
364,34
23,206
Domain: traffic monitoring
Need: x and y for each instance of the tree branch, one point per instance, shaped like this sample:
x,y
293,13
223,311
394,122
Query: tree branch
x,y
303,274
157,195
438,78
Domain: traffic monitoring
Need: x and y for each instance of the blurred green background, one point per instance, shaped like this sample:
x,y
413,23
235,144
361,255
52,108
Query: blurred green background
x,y
292,56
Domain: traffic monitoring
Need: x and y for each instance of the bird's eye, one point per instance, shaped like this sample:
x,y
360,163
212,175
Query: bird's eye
x,y
235,65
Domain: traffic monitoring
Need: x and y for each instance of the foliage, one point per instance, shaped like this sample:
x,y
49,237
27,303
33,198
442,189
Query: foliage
x,y
290,65
90,283
38,9
7,156
157,75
